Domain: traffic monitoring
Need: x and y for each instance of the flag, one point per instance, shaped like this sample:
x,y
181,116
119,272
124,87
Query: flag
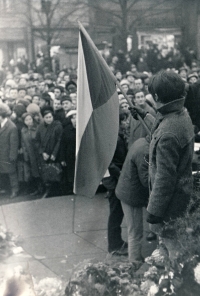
x,y
97,118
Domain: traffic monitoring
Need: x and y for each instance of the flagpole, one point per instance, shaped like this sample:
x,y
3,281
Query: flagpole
x,y
112,75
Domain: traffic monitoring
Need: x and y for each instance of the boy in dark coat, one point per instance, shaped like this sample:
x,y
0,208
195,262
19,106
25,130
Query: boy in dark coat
x,y
171,151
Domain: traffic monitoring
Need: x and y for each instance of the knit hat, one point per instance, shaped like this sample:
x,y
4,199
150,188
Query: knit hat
x,y
33,109
19,110
123,101
66,98
71,112
124,82
193,74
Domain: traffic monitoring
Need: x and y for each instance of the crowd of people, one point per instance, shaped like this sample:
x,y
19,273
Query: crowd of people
x,y
38,131
38,141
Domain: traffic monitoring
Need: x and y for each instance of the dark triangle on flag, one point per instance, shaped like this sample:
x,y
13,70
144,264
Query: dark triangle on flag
x,y
101,84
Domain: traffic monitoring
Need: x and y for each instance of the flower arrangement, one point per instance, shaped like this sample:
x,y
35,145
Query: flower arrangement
x,y
102,279
172,269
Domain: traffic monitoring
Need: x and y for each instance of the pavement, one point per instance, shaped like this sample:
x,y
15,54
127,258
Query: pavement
x,y
58,233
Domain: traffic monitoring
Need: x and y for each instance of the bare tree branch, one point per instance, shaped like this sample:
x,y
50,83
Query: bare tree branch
x,y
56,5
129,7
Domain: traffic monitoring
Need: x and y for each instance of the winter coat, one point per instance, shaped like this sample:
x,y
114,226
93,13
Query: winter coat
x,y
48,138
170,161
132,186
29,149
60,115
8,147
116,163
68,150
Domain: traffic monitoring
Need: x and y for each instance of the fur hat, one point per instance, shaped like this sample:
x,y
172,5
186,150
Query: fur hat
x,y
19,109
33,109
46,110
71,82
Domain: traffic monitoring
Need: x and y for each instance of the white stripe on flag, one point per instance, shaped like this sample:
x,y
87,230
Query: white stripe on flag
x,y
84,105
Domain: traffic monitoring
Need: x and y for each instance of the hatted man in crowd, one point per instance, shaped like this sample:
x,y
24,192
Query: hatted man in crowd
x,y
66,104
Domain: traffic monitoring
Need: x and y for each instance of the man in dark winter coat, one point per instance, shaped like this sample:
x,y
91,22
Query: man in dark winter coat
x,y
171,151
8,148
68,152
116,245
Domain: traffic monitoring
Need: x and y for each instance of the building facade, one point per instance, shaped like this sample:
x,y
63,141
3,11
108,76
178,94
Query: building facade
x,y
24,29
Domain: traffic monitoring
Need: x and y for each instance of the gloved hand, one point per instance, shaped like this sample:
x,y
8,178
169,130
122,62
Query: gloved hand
x,y
153,219
135,110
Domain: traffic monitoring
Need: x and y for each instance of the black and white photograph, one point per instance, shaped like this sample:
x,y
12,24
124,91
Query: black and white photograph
x,y
99,147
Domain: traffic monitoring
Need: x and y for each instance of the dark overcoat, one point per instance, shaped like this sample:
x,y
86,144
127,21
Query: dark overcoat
x,y
68,150
170,159
8,147
30,152
48,138
116,164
